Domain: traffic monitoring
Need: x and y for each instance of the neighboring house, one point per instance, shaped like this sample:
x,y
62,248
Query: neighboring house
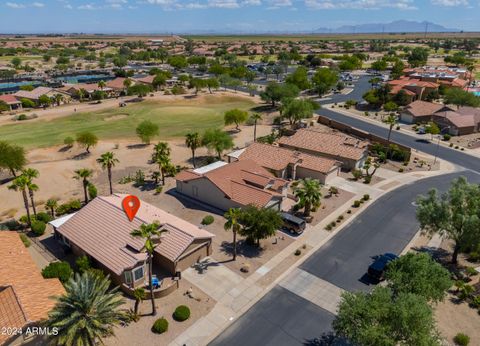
x,y
415,89
233,185
116,85
458,121
350,151
148,80
11,101
101,230
88,88
25,296
35,94
457,77
419,111
288,164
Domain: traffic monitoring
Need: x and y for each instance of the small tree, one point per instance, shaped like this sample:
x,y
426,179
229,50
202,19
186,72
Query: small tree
x,y
52,204
20,183
69,141
259,223
233,216
12,157
217,140
146,130
139,294
308,193
455,215
87,140
235,116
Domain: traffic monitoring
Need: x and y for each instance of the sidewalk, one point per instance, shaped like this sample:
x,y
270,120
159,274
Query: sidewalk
x,y
234,298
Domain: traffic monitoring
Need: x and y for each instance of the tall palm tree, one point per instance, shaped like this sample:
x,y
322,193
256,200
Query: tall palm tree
x,y
308,193
193,141
83,174
58,99
127,83
87,312
150,233
31,174
52,204
81,94
256,117
160,149
139,295
20,183
108,160
165,165
232,216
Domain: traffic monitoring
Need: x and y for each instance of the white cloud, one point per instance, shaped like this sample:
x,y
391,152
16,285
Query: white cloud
x,y
38,4
361,4
89,7
68,6
203,4
223,4
14,5
116,1
274,4
450,3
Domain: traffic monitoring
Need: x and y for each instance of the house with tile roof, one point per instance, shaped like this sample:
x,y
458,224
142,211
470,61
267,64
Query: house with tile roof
x,y
101,231
288,164
25,296
35,94
11,101
233,185
419,111
350,151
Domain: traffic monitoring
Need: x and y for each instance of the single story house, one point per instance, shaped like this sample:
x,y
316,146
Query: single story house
x,y
117,85
348,150
415,89
288,164
101,231
88,88
36,93
419,111
11,101
25,296
233,185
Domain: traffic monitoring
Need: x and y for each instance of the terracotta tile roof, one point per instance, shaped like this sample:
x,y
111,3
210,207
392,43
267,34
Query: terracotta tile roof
x,y
34,94
278,158
102,229
147,80
244,182
11,312
337,145
116,83
33,294
457,119
423,108
9,99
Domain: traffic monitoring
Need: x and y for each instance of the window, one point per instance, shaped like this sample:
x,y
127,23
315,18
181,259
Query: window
x,y
138,273
128,277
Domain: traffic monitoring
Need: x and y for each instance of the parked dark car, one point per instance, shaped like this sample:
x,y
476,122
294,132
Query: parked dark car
x,y
376,270
292,223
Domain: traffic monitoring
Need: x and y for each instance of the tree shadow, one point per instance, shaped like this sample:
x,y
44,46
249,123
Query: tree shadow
x,y
264,108
81,156
64,148
243,249
327,339
137,146
202,266
190,203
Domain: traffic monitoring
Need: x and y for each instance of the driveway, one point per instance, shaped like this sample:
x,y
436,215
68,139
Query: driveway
x,y
284,318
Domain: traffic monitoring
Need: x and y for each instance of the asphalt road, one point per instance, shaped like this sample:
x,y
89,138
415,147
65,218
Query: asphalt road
x,y
388,225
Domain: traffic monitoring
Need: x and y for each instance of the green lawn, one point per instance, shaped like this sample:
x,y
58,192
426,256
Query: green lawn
x,y
174,120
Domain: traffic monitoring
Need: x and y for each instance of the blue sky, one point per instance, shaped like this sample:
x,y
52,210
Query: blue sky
x,y
256,16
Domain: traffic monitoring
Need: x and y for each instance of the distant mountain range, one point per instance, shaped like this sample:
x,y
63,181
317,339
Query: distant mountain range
x,y
398,26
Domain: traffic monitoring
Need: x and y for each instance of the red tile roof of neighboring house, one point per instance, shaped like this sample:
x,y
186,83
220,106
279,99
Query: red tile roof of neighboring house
x,y
278,158
102,229
423,108
147,80
337,145
244,182
25,296
9,99
116,83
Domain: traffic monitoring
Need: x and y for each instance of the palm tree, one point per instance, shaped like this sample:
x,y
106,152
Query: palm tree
x,y
87,312
127,83
52,204
81,94
192,140
101,84
232,216
83,174
308,193
139,295
58,99
165,166
151,234
391,120
160,149
20,183
255,117
31,173
108,160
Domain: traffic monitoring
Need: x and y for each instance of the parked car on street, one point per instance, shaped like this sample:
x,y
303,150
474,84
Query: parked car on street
x,y
376,270
293,223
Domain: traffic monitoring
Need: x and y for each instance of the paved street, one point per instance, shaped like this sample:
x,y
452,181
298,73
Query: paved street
x,y
283,317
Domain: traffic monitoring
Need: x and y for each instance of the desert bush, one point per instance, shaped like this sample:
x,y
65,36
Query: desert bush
x,y
38,227
207,220
297,252
44,217
82,263
446,137
160,326
25,240
181,313
60,270
461,339
366,197
356,204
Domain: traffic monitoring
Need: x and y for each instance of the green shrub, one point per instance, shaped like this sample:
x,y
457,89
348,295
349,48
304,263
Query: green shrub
x,y
69,207
297,252
476,302
38,227
160,326
367,179
22,117
461,339
446,137
356,204
340,217
474,256
366,197
60,270
92,191
25,240
178,90
97,272
400,170
471,271
328,227
207,220
158,190
44,217
82,263
69,141
182,313
451,145
456,147
349,211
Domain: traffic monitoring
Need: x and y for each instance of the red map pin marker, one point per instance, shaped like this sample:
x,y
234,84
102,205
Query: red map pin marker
x,y
131,204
